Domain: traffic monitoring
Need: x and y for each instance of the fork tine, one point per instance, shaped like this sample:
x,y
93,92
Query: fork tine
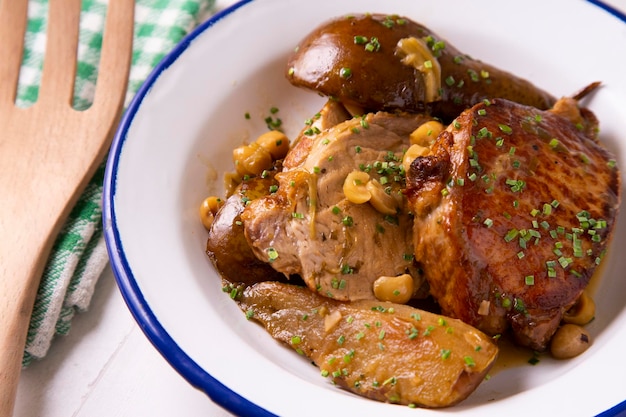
x,y
13,17
118,36
59,68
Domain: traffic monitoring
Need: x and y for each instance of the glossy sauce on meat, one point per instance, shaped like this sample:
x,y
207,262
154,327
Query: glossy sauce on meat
x,y
514,211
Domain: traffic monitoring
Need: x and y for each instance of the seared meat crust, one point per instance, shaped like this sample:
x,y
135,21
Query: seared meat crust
x,y
514,210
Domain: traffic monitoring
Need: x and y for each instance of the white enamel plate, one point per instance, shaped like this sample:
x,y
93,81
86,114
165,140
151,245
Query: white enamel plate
x,y
175,142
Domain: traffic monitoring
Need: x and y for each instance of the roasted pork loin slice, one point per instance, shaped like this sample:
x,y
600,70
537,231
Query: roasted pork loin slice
x,y
514,210
309,228
384,351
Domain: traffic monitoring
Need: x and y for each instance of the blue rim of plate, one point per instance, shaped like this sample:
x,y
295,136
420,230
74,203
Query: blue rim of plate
x,y
150,325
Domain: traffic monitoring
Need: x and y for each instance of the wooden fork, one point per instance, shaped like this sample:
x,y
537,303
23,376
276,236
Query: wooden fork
x,y
48,154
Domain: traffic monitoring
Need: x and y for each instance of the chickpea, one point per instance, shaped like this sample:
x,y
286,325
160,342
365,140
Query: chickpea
x,y
415,52
251,159
582,312
381,201
426,133
569,340
398,289
355,187
414,152
275,142
208,210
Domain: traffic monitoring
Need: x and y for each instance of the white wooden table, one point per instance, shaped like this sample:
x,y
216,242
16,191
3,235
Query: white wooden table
x,y
106,367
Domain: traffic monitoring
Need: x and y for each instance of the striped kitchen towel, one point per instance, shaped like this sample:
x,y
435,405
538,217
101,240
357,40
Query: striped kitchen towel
x,y
79,254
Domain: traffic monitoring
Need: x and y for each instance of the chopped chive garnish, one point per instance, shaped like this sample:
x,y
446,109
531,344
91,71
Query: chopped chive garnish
x,y
516,185
554,142
511,234
505,129
469,361
445,353
272,254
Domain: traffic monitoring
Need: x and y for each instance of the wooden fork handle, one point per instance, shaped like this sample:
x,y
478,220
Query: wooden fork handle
x,y
36,200
16,306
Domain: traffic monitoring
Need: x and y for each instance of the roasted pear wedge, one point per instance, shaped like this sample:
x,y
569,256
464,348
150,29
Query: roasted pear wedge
x,y
387,62
387,352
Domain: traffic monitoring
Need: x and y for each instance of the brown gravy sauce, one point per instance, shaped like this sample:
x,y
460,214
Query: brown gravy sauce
x,y
511,356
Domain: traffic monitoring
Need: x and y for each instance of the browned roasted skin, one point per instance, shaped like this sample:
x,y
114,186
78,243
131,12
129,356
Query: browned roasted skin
x,y
383,351
514,210
378,80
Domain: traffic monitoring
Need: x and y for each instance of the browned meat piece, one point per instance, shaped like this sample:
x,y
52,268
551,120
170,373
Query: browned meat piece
x,y
332,114
387,352
514,210
309,228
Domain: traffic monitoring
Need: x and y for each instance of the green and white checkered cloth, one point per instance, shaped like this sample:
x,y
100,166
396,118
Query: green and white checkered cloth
x,y
79,254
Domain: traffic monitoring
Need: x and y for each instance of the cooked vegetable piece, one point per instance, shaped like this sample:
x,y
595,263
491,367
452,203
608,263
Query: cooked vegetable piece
x,y
384,351
582,312
227,246
570,341
208,209
356,59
